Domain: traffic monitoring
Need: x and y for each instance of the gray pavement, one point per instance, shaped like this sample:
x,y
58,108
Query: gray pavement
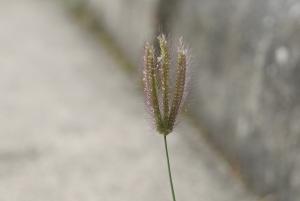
x,y
73,126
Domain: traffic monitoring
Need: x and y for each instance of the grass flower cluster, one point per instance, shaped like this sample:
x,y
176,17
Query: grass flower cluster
x,y
156,82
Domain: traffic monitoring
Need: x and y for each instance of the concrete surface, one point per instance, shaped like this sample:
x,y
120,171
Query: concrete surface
x,y
73,126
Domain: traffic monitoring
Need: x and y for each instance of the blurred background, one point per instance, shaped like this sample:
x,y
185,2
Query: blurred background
x,y
72,120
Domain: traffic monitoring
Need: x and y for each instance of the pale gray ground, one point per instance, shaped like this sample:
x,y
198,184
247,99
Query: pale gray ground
x,y
73,125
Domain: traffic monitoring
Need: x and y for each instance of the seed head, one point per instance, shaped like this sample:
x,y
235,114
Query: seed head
x,y
156,84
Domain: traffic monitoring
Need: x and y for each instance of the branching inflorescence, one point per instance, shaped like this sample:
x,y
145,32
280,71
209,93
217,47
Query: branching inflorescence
x,y
156,79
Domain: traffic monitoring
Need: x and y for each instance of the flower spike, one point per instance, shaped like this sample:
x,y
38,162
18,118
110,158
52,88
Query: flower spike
x,y
179,84
164,69
150,84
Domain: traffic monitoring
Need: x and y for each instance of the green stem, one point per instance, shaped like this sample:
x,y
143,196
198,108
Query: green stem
x,y
169,169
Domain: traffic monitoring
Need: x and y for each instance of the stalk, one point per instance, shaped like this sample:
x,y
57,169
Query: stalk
x,y
169,168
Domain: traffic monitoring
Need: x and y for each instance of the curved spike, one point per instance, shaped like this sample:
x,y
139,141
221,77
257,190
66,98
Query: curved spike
x,y
179,84
150,85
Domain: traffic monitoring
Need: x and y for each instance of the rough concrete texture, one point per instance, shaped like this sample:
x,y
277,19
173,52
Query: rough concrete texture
x,y
72,124
246,85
